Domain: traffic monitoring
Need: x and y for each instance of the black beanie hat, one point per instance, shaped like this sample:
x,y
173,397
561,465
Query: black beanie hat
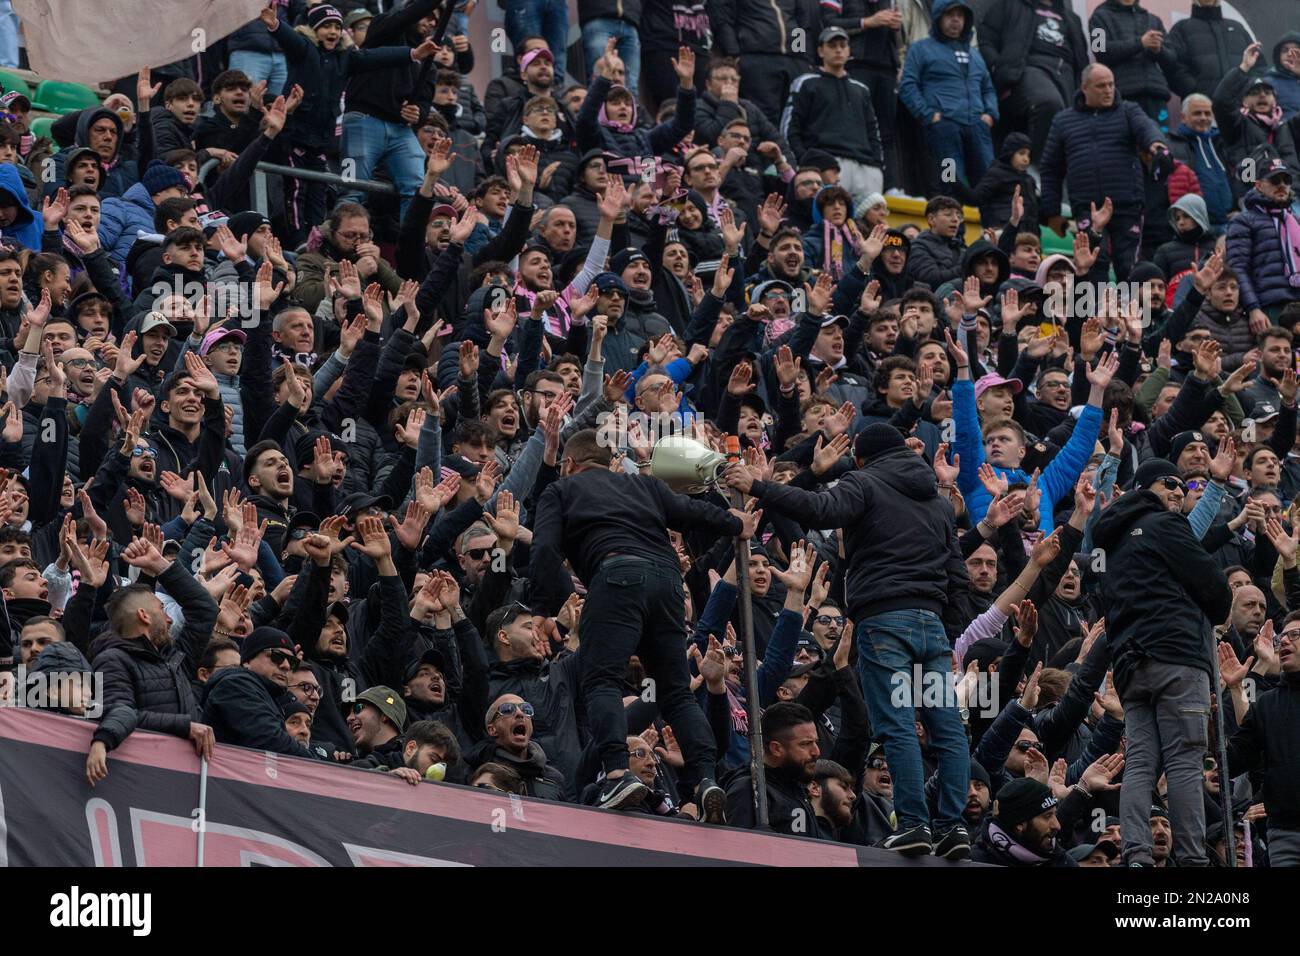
x,y
1144,270
1023,799
1151,470
1013,144
977,772
1183,439
876,439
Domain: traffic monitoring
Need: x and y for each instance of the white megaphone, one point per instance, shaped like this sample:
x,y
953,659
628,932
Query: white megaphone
x,y
685,465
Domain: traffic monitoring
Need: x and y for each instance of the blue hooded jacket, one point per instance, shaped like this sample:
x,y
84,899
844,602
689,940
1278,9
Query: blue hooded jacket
x,y
25,227
947,76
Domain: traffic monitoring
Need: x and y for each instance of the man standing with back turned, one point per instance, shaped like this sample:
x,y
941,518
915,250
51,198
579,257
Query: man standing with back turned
x,y
613,529
1159,587
905,576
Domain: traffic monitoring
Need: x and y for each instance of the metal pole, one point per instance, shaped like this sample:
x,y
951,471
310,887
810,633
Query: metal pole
x,y
1225,802
203,804
758,775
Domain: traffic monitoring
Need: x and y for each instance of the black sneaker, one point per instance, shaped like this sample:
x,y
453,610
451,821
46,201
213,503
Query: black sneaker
x,y
618,793
954,844
913,842
712,801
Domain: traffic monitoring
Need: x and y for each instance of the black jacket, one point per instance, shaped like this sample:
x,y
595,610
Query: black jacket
x,y
156,683
899,535
552,688
997,849
756,26
243,708
585,517
934,260
541,779
1159,587
832,113
789,810
875,48
1006,33
380,93
1137,70
712,116
1269,739
1205,46
1097,151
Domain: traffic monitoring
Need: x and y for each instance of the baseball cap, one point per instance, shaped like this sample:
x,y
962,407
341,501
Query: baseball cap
x,y
610,280
1264,411
1080,853
532,55
339,610
356,16
388,702
210,222
443,211
217,335
154,320
993,380
1274,168
841,320
265,639
1258,83
832,33
12,99
433,657
360,500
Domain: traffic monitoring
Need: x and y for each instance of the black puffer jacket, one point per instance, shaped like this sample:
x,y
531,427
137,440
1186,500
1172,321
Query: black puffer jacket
x,y
1205,46
1097,150
757,26
899,535
1005,32
156,682
935,260
552,688
541,779
1137,70
789,810
1159,588
244,708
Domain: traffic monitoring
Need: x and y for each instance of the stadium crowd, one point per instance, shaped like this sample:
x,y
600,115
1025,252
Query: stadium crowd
x,y
366,476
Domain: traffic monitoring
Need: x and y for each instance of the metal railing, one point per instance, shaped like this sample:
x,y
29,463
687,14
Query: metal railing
x,y
259,190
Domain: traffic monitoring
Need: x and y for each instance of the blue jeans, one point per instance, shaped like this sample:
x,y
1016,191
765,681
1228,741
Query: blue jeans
x,y
271,67
368,141
596,32
894,648
970,148
546,18
8,35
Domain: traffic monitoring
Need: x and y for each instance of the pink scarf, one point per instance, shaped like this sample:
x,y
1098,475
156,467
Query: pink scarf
x,y
603,118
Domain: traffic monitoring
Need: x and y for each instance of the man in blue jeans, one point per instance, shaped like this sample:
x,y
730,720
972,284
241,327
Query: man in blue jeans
x,y
906,589
604,20
546,18
383,104
949,90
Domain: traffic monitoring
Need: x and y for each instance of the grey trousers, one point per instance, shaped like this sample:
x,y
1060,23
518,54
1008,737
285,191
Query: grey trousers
x,y
1166,721
1283,847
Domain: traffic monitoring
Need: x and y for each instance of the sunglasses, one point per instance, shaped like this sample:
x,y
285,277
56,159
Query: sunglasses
x,y
1209,763
1196,484
508,708
1170,482
1024,746
281,657
477,554
877,763
827,619
144,453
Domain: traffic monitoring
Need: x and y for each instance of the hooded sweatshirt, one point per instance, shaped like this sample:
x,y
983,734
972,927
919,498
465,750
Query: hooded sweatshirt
x,y
1285,83
24,227
947,76
120,172
1204,159
1188,249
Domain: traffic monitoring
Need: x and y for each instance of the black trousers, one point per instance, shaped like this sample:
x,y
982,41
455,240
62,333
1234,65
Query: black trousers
x,y
1043,91
637,606
765,80
1121,243
884,100
658,82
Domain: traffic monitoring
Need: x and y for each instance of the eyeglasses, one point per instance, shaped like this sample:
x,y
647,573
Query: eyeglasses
x,y
78,362
664,386
484,785
701,167
1024,746
640,753
1291,634
311,690
1196,484
544,109
139,452
355,236
826,619
509,707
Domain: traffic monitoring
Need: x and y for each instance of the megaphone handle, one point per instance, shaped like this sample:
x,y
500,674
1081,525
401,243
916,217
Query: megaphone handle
x,y
751,674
